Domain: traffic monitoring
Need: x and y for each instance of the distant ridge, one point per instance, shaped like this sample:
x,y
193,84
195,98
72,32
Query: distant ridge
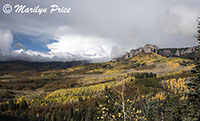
x,y
188,52
39,66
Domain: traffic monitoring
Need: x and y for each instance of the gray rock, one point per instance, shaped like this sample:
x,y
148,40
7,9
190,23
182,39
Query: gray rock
x,y
167,52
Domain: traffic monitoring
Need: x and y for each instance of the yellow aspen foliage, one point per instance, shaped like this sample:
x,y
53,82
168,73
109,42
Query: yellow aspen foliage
x,y
176,85
72,95
159,96
172,65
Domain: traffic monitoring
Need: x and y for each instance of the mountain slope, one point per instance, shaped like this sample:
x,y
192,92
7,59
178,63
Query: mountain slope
x,y
83,85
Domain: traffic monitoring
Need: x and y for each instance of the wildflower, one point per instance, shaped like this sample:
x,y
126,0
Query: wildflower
x,y
113,116
128,100
138,111
119,114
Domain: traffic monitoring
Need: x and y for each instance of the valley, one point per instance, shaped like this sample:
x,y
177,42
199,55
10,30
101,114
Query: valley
x,y
41,94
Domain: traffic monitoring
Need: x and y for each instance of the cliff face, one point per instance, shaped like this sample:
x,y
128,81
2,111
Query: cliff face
x,y
167,52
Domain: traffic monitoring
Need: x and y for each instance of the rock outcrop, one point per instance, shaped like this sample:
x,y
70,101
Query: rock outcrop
x,y
167,52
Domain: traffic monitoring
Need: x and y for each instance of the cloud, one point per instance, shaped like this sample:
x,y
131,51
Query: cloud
x,y
93,27
89,47
178,26
6,40
179,20
20,45
68,47
117,52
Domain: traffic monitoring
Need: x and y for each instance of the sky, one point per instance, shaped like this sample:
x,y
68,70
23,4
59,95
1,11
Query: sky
x,y
96,30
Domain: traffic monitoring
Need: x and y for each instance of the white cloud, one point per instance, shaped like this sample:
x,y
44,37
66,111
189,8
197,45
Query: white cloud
x,y
6,40
179,20
129,27
29,55
178,26
89,47
68,48
117,52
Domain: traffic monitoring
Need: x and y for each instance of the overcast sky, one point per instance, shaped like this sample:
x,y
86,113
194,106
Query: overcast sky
x,y
95,29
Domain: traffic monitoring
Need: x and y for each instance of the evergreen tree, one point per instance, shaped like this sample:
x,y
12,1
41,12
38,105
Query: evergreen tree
x,y
23,105
11,105
194,84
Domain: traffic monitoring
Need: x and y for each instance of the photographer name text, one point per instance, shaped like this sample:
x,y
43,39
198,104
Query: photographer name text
x,y
23,9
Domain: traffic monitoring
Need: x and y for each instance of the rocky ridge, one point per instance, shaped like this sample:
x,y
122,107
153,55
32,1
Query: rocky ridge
x,y
187,52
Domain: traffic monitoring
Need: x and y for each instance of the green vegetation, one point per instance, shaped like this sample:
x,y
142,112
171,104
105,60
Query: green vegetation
x,y
146,87
194,86
64,94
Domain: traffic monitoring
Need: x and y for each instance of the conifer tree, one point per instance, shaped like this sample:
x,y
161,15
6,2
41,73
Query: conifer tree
x,y
194,84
